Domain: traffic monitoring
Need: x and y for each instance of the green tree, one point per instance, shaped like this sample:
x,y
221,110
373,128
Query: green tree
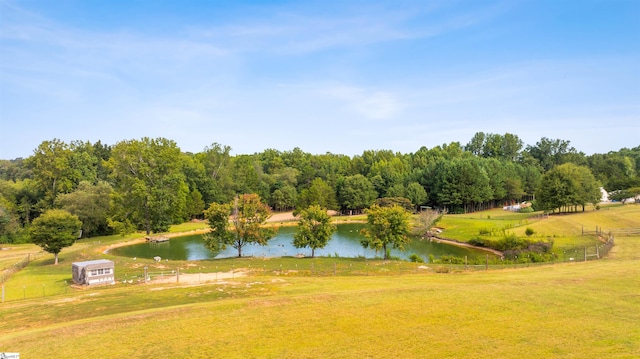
x,y
320,193
248,216
54,230
51,164
386,226
314,229
8,220
461,183
91,204
395,201
416,193
150,189
217,162
356,193
284,198
550,153
195,204
567,186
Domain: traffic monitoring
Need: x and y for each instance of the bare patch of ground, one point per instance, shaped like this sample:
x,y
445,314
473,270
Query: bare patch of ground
x,y
197,277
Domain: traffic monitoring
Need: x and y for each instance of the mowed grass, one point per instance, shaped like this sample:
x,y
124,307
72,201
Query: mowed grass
x,y
573,310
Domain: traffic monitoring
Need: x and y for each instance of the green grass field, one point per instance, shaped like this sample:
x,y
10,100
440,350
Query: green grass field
x,y
567,310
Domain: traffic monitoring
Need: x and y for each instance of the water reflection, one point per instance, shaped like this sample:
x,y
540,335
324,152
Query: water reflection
x,y
344,243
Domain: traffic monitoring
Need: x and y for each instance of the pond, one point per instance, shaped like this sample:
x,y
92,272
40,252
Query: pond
x,y
345,242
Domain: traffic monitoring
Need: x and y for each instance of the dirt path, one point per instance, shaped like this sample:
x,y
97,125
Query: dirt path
x,y
197,277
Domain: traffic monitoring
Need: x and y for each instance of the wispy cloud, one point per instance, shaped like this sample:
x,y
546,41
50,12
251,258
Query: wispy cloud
x,y
367,103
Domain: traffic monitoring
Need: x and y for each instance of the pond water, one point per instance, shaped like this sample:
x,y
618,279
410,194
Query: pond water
x,y
345,242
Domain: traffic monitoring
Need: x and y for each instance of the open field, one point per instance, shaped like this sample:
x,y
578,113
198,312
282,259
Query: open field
x,y
569,310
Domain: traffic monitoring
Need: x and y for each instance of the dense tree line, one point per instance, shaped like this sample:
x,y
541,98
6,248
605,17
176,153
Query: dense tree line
x,y
149,184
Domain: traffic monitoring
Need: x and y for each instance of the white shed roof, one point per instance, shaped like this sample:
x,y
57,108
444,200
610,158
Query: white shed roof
x,y
88,263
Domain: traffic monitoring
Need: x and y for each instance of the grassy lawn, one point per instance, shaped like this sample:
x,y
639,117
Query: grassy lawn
x,y
570,310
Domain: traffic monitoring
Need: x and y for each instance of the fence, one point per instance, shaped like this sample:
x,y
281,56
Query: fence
x,y
7,272
303,268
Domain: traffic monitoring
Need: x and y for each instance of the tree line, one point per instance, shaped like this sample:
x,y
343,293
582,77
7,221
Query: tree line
x,y
148,184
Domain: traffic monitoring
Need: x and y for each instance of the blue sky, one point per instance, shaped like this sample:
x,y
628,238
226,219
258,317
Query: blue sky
x,y
324,76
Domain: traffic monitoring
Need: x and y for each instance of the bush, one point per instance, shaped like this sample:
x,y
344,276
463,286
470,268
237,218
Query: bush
x,y
526,210
511,242
484,231
477,241
529,232
416,258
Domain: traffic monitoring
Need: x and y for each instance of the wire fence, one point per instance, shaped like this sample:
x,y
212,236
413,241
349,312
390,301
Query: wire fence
x,y
15,267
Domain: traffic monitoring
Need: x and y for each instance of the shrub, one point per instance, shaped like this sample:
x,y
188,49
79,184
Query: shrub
x,y
416,258
477,241
484,231
526,210
511,242
529,232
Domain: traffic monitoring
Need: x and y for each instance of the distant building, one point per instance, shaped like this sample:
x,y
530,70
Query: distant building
x,y
604,195
100,271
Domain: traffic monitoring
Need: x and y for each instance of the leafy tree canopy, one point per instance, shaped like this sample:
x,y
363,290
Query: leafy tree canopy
x,y
54,230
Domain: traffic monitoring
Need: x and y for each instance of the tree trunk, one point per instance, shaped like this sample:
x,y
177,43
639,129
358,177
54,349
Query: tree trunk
x,y
55,261
384,248
313,250
239,251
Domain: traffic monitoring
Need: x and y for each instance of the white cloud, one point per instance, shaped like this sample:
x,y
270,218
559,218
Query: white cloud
x,y
368,103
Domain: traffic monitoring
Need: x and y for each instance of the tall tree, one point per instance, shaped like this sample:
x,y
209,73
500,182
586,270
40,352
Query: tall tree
x,y
52,169
416,193
195,204
356,193
248,216
149,184
217,163
320,193
386,226
551,152
91,204
314,229
55,229
567,186
9,226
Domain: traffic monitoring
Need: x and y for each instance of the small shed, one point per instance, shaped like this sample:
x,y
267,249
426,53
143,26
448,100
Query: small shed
x,y
100,271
